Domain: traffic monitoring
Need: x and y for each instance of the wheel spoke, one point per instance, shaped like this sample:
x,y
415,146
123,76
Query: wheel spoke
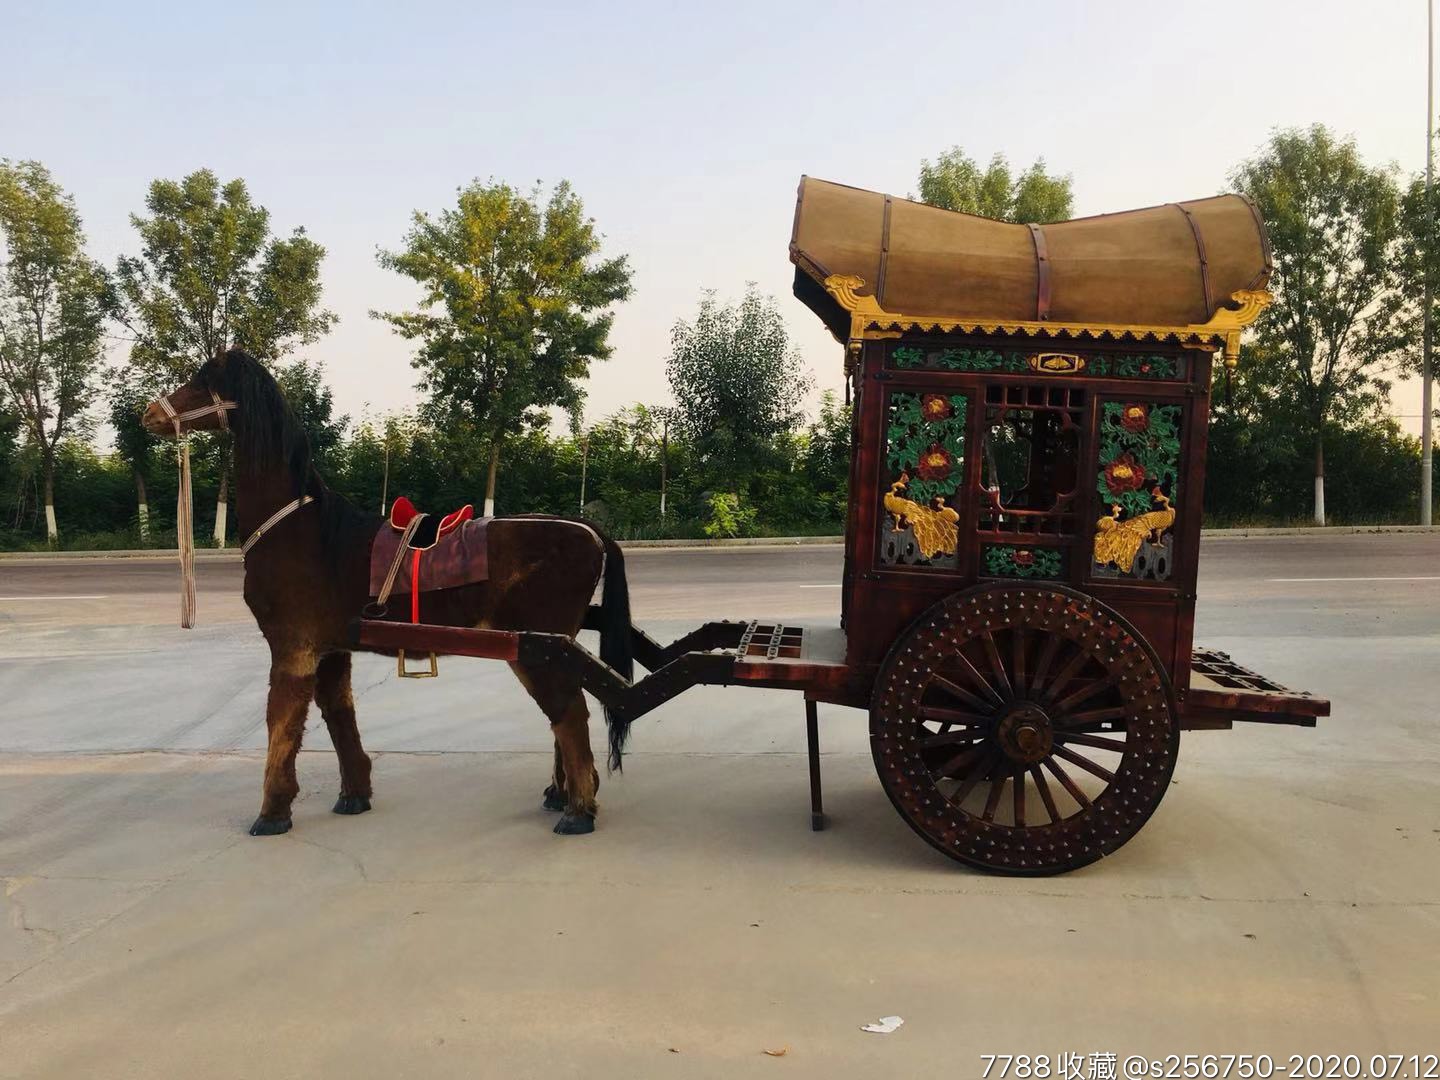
x,y
974,776
1069,785
1017,648
959,693
978,679
1068,672
1045,796
1047,657
1084,763
1020,798
949,738
1088,691
997,665
1093,716
953,717
1097,741
997,788
959,761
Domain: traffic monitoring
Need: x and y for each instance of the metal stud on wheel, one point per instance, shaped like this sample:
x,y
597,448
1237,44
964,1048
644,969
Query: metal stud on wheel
x,y
1024,729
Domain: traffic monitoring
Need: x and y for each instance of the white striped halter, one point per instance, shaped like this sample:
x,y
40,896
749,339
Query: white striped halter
x,y
184,503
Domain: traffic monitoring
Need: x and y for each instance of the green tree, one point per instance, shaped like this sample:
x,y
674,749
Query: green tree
x,y
955,182
210,275
133,444
303,384
52,313
737,380
515,306
1333,224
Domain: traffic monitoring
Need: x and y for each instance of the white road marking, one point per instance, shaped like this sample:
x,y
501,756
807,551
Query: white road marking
x,y
1310,579
834,586
11,599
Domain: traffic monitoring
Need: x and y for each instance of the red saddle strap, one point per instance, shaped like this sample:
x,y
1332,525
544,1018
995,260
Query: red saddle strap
x,y
415,586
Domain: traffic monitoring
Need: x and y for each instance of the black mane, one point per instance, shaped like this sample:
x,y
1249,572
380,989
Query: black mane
x,y
269,435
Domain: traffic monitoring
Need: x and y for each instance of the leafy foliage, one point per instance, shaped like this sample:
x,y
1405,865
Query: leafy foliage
x,y
738,382
515,306
729,517
52,303
1334,230
209,275
955,182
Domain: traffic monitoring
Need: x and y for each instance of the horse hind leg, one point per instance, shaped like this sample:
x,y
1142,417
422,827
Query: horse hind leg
x,y
575,778
337,706
555,794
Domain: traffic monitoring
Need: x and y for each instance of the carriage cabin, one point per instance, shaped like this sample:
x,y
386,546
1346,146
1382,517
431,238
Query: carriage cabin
x,y
1030,402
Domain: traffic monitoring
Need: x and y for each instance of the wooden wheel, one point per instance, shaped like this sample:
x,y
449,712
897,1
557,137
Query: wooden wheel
x,y
1024,729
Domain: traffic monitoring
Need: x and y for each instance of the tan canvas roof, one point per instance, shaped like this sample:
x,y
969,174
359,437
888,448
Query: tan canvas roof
x,y
1166,266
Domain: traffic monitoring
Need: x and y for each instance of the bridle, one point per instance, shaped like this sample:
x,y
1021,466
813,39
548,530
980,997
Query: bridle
x,y
184,503
219,406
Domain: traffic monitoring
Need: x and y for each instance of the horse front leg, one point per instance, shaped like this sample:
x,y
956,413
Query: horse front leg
x,y
292,685
337,706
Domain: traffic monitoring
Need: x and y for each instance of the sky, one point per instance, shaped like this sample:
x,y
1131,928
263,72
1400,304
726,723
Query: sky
x,y
684,127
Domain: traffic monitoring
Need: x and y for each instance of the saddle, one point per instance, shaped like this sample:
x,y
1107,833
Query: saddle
x,y
415,553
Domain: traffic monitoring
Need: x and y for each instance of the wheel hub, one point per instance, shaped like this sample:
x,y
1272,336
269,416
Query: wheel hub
x,y
1025,733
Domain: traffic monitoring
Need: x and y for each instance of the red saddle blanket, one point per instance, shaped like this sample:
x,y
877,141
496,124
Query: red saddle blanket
x,y
444,552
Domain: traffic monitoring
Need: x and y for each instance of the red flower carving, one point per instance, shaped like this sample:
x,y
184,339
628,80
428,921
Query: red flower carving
x,y
1023,558
935,463
1124,474
936,407
1135,418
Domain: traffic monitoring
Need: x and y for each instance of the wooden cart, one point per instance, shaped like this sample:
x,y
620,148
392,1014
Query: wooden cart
x,y
1029,427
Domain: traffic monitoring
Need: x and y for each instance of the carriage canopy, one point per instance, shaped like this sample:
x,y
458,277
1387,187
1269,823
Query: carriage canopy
x,y
1176,267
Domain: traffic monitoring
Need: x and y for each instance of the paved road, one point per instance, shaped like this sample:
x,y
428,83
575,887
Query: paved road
x,y
1286,898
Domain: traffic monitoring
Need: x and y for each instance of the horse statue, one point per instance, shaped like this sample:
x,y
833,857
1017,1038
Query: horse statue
x,y
308,572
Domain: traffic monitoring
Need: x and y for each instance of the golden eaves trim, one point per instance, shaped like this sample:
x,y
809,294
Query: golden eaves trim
x,y
844,288
868,319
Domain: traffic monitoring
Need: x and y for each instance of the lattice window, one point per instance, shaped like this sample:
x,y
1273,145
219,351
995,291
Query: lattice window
x,y
1029,467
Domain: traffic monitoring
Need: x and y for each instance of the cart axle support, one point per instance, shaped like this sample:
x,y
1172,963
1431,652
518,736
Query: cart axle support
x,y
812,745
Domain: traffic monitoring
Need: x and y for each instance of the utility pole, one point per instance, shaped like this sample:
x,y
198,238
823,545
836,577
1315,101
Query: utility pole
x,y
584,464
664,460
385,483
1427,436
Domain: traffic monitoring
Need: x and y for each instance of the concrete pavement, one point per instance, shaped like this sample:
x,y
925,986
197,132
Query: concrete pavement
x,y
1285,898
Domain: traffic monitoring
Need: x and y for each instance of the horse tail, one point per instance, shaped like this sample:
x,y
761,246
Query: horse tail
x,y
615,644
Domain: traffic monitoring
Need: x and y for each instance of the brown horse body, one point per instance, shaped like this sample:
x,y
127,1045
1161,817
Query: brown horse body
x,y
308,577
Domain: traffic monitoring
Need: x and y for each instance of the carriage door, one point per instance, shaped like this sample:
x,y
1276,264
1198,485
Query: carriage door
x,y
1027,494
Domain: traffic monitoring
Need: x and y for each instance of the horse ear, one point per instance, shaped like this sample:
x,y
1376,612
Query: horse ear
x,y
220,352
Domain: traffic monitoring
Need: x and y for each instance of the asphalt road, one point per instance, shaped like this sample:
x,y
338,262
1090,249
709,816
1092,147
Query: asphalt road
x,y
1285,898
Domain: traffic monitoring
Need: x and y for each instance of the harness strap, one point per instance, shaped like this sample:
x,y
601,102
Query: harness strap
x,y
273,520
410,527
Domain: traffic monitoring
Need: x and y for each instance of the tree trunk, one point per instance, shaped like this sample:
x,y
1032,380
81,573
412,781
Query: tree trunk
x,y
144,503
222,501
490,480
52,534
1319,479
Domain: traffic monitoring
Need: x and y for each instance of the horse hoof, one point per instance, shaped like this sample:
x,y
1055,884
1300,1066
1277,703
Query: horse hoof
x,y
270,826
554,798
573,824
351,804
